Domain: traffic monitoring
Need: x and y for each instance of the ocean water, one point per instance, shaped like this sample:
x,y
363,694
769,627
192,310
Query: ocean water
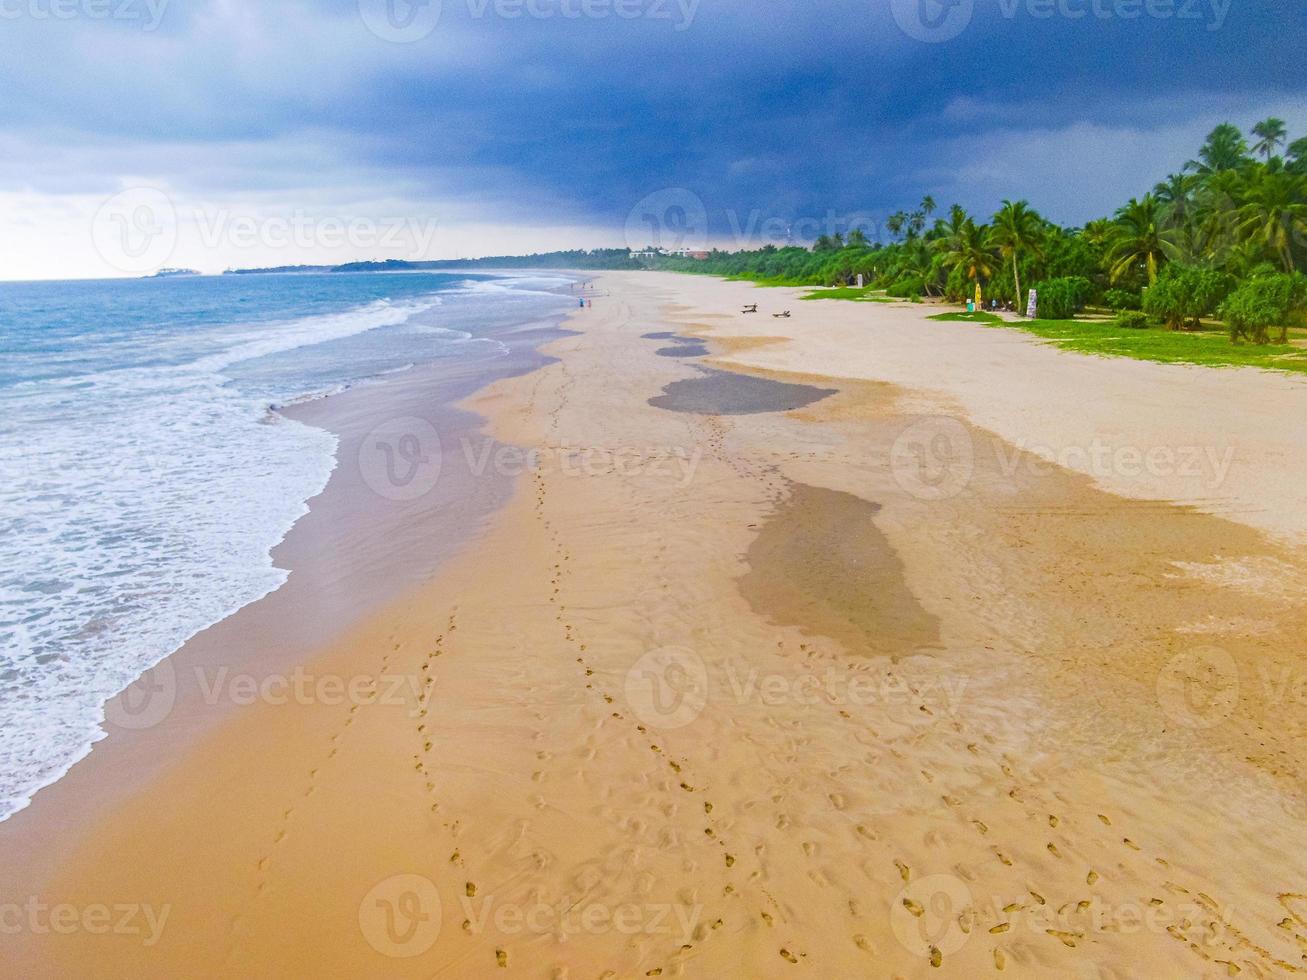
x,y
144,477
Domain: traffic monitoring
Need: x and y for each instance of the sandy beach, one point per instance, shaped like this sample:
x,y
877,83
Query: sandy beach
x,y
849,644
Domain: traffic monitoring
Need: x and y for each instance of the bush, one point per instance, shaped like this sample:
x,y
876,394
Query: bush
x,y
1123,299
1186,293
1063,298
1132,320
907,286
1262,302
957,287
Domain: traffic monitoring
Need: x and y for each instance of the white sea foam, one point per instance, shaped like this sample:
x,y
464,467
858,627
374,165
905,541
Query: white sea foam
x,y
138,506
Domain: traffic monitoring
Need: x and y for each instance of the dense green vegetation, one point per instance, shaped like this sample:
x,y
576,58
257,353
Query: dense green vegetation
x,y
1224,237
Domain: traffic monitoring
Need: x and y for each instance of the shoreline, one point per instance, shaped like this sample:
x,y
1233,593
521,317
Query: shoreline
x,y
145,728
237,476
992,716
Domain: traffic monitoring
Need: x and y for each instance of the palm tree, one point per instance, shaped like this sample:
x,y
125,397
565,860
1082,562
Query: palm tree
x,y
965,247
1214,209
1240,259
1097,232
1175,194
1298,155
1270,133
1194,242
947,229
928,205
1275,215
916,263
1017,228
1136,239
916,222
1225,149
895,223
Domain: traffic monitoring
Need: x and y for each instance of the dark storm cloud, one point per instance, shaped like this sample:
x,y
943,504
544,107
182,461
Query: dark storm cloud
x,y
552,110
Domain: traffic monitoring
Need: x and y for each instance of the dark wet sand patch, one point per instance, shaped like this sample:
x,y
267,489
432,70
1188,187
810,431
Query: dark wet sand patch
x,y
689,349
726,393
820,563
684,346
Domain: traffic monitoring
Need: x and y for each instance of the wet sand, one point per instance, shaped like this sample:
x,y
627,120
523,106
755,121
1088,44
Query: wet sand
x,y
840,689
681,347
727,393
821,564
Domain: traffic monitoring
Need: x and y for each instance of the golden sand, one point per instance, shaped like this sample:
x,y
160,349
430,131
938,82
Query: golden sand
x,y
844,691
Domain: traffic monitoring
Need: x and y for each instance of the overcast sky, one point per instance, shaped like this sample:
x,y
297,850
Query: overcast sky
x,y
216,133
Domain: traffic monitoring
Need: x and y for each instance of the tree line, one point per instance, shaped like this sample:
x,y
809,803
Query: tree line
x,y
1225,236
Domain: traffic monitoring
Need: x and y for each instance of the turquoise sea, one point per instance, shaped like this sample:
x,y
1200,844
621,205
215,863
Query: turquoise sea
x,y
144,476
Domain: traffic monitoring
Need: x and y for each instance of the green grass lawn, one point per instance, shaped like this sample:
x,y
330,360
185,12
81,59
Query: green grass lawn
x,y
980,316
864,295
1210,347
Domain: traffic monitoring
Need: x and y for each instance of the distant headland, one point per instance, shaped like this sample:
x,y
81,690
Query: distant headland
x,y
600,258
